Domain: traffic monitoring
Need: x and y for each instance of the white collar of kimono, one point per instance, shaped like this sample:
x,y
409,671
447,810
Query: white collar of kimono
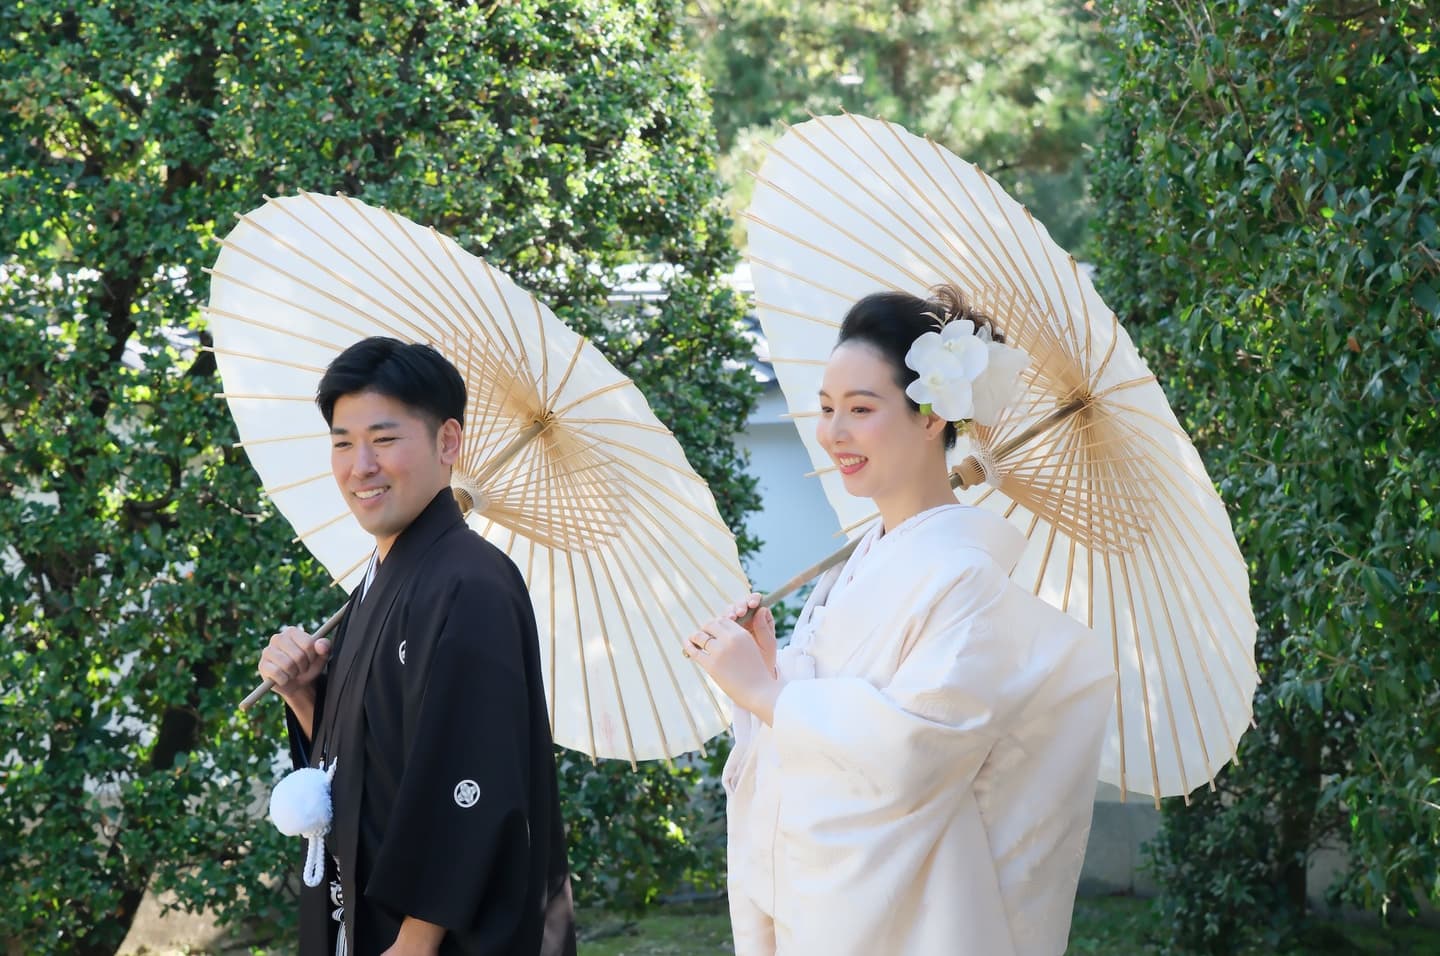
x,y
968,526
370,574
950,526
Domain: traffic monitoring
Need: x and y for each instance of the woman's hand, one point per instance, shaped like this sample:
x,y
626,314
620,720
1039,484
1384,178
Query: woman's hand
x,y
740,660
760,624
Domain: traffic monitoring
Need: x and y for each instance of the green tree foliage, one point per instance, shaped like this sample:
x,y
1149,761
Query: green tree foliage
x,y
1003,83
1268,195
141,568
637,836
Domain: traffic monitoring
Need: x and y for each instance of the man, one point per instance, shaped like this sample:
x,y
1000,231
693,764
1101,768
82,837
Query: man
x,y
446,836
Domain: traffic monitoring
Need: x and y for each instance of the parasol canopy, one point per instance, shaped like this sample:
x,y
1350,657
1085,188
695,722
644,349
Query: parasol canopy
x,y
1126,531
564,466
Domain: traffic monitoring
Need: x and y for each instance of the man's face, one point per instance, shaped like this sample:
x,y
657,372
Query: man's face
x,y
387,463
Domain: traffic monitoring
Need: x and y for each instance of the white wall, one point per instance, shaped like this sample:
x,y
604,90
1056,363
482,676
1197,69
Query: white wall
x,y
795,524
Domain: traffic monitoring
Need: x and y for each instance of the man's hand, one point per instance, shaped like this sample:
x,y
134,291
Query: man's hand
x,y
417,938
293,659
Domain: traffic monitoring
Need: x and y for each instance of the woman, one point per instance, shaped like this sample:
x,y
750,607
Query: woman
x,y
914,772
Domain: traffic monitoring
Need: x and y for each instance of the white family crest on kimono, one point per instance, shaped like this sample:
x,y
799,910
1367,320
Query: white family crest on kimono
x,y
927,784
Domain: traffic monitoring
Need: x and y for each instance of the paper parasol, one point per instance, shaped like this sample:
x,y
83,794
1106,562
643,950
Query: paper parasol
x,y
564,466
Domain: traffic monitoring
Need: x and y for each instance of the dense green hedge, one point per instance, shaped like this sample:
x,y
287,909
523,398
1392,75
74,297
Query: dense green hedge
x,y
141,570
1268,190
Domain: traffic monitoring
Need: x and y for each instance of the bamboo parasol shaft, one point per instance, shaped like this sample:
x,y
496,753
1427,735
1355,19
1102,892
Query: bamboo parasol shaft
x,y
968,472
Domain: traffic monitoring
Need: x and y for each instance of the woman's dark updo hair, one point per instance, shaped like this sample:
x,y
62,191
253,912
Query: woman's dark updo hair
x,y
890,322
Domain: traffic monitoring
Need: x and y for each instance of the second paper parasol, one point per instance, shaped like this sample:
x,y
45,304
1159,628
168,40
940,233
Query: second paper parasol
x,y
1126,532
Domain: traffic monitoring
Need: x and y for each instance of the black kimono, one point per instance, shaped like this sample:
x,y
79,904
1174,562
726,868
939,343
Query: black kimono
x,y
445,802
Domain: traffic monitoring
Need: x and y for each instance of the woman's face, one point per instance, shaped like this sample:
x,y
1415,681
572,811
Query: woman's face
x,y
883,447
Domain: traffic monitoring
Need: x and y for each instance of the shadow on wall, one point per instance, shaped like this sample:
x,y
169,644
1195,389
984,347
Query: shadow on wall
x,y
1115,856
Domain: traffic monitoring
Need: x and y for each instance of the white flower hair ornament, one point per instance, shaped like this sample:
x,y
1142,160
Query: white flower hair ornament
x,y
964,375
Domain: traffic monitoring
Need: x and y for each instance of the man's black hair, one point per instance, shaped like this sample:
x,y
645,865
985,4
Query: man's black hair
x,y
413,374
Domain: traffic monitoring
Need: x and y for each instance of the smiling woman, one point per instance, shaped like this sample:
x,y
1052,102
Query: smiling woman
x,y
886,445
878,439
925,748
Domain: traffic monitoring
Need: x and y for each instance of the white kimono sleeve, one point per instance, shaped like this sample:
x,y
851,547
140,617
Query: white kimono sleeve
x,y
875,775
931,724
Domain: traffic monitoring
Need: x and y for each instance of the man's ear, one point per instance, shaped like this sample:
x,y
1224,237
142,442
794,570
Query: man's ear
x,y
449,438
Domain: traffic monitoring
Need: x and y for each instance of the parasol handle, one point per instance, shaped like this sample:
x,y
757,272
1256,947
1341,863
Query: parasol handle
x,y
268,685
963,475
815,570
1071,407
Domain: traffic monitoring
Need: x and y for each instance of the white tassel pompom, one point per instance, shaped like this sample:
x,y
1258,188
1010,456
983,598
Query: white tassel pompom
x,y
300,804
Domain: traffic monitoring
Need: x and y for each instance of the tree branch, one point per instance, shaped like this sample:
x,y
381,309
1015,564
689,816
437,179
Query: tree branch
x,y
204,364
1361,13
143,513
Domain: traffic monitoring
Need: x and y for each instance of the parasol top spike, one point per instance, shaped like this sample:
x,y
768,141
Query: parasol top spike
x,y
969,472
471,500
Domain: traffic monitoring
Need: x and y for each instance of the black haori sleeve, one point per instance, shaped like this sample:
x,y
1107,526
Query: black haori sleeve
x,y
457,848
302,747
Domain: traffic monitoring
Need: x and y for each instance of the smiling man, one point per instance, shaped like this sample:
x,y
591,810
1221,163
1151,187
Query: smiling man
x,y
446,835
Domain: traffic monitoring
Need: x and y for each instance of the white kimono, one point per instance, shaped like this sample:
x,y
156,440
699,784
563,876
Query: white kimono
x,y
926,787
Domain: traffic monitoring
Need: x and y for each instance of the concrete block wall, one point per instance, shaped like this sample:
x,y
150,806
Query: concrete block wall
x,y
1114,858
